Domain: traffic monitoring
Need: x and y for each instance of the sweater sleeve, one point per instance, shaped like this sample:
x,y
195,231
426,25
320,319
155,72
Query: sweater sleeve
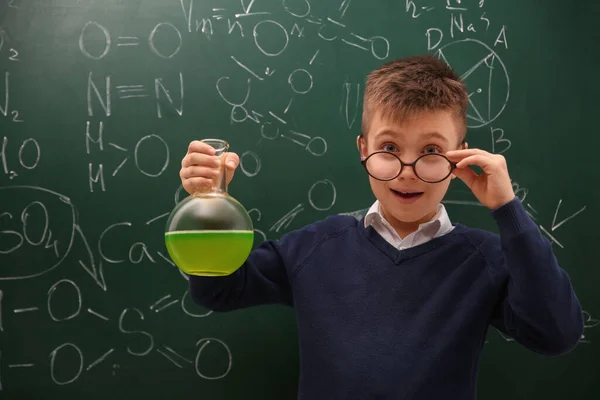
x,y
537,307
264,278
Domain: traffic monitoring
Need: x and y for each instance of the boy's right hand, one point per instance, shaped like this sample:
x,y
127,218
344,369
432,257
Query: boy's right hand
x,y
200,166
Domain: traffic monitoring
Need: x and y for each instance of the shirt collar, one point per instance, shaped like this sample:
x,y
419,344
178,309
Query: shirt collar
x,y
439,225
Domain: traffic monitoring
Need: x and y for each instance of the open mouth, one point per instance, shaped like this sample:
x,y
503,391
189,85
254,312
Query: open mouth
x,y
407,195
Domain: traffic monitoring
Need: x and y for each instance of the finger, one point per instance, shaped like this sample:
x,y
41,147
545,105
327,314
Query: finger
x,y
232,161
199,172
478,160
201,160
459,154
198,146
192,185
467,175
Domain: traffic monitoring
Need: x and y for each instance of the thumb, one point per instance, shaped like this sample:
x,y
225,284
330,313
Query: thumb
x,y
232,161
467,175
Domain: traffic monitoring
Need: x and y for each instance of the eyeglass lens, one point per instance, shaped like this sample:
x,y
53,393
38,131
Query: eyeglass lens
x,y
429,168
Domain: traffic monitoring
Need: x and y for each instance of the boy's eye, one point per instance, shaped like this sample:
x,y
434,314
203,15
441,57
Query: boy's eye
x,y
432,149
389,147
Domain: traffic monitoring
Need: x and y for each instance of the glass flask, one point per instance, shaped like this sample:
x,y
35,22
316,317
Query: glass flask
x,y
210,233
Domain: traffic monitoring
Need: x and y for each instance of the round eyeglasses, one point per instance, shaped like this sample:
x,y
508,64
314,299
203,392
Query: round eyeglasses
x,y
430,168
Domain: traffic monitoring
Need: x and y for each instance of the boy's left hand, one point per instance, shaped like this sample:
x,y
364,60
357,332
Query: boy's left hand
x,y
493,187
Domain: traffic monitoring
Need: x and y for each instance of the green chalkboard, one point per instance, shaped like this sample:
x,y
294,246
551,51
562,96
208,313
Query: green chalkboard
x,y
99,99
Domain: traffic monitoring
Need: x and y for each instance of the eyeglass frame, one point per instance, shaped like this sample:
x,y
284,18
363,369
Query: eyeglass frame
x,y
363,161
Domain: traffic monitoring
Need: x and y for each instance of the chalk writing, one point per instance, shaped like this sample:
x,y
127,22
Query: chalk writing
x,y
22,237
4,108
28,156
281,81
152,168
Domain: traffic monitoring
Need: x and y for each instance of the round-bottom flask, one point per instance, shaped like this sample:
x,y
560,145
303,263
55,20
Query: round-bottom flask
x,y
210,233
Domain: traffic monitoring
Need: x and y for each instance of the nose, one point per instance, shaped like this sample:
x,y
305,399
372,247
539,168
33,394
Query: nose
x,y
408,172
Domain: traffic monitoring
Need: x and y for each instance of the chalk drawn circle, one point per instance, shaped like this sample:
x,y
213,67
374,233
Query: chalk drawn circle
x,y
225,99
106,40
328,183
312,144
205,342
482,65
51,292
307,4
243,112
243,163
67,240
386,44
153,45
53,360
38,153
269,137
188,312
272,35
136,155
294,86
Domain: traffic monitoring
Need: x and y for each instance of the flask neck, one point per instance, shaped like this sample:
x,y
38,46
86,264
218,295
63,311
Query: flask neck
x,y
219,183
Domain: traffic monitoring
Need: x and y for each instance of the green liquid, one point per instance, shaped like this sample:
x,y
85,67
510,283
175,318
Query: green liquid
x,y
209,253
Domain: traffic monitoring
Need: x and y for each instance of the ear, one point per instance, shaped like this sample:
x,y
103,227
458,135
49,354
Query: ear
x,y
361,145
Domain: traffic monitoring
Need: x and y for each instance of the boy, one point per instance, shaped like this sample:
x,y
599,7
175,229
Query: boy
x,y
397,305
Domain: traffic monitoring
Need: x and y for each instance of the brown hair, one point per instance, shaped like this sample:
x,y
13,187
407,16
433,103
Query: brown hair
x,y
407,86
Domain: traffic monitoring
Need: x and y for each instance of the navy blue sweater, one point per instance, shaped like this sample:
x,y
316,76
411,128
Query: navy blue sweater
x,y
375,322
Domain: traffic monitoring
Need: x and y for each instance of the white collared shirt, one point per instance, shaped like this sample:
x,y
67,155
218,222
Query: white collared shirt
x,y
439,225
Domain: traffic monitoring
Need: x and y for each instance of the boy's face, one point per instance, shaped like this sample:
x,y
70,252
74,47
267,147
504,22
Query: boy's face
x,y
426,132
